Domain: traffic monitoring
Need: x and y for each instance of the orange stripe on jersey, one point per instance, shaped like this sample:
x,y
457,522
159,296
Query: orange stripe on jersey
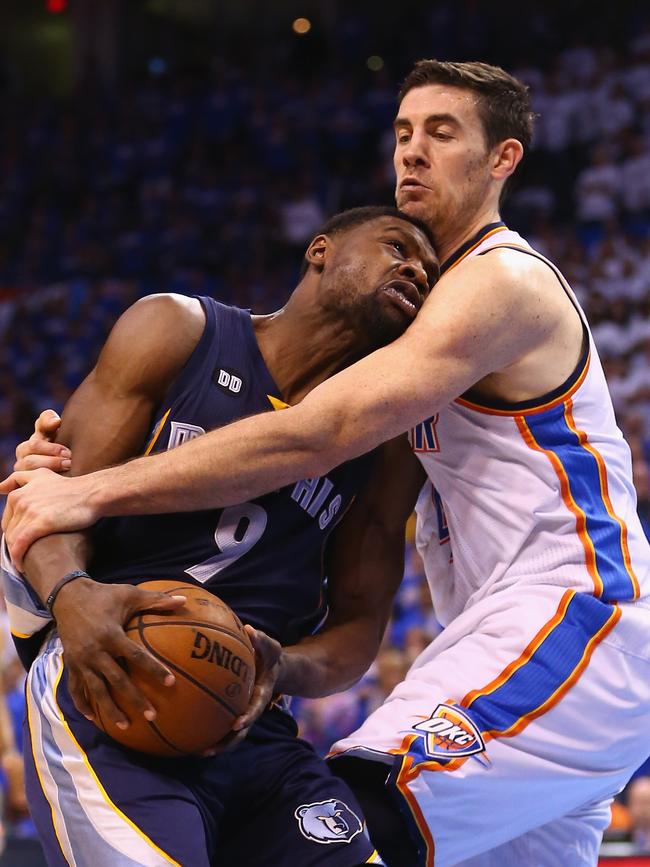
x,y
534,409
420,822
157,432
604,489
474,246
580,515
519,694
411,765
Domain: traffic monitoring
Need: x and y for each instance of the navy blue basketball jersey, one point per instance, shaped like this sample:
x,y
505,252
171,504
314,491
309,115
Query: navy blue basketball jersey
x,y
265,558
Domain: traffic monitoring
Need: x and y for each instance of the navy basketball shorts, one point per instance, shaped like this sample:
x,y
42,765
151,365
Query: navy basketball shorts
x,y
269,803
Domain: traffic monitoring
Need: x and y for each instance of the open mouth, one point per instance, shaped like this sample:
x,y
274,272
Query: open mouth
x,y
404,295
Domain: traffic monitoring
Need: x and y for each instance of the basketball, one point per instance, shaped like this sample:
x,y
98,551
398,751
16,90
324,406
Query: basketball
x,y
204,644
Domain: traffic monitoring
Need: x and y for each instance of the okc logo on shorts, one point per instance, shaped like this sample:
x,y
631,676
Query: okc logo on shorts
x,y
450,733
328,822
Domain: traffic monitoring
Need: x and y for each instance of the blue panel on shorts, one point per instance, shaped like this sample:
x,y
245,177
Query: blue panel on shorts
x,y
548,669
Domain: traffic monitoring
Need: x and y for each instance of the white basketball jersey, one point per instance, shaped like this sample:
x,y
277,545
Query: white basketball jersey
x,y
538,492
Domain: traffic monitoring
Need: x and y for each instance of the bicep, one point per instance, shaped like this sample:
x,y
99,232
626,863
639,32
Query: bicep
x,y
108,417
103,427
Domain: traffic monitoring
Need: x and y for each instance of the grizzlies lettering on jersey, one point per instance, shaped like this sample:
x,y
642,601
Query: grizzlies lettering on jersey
x,y
265,557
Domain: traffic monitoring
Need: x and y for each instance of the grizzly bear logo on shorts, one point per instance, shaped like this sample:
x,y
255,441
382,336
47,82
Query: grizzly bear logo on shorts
x,y
328,822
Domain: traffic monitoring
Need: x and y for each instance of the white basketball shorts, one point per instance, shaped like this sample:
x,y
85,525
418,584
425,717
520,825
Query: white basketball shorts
x,y
516,727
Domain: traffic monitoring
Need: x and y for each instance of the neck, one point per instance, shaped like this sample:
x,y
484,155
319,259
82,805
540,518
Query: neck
x,y
302,346
450,238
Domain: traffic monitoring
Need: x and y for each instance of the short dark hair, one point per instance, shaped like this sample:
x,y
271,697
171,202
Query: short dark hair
x,y
504,102
353,217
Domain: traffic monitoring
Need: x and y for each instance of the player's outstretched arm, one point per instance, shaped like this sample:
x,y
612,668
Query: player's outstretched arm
x,y
107,419
365,565
480,319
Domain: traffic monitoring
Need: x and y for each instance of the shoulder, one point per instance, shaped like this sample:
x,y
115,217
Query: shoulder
x,y
174,320
168,309
491,310
522,273
152,340
506,267
503,283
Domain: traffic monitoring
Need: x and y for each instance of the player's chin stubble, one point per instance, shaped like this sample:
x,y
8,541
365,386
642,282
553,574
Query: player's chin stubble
x,y
425,209
383,322
374,320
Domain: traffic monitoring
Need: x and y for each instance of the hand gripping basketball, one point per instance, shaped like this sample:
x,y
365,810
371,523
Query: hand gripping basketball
x,y
206,647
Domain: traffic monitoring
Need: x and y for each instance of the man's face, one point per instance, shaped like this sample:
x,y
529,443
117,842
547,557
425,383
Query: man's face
x,y
377,276
441,158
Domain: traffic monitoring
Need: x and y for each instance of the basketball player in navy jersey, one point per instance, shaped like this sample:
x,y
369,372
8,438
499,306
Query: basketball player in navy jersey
x,y
173,368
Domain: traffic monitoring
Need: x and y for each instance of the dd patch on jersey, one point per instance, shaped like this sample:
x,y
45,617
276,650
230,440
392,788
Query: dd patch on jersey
x,y
450,733
328,822
228,381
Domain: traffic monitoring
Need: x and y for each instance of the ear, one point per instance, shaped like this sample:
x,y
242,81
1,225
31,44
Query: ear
x,y
317,251
506,157
302,811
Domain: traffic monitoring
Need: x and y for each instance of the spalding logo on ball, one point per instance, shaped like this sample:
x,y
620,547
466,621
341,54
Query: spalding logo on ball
x,y
210,654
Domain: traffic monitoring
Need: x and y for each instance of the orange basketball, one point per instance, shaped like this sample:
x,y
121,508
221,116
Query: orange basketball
x,y
206,647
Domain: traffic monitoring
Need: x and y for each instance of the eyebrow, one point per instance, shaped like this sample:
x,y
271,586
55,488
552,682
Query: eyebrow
x,y
401,122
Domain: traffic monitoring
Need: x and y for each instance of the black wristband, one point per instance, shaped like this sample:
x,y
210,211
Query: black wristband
x,y
71,576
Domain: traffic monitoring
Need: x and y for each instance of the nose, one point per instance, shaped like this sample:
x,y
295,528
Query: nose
x,y
414,152
413,270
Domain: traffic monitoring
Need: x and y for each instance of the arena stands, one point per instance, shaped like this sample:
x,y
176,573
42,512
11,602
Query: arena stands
x,y
212,183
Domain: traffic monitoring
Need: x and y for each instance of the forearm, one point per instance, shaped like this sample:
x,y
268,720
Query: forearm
x,y
346,416
231,465
52,557
365,567
340,654
328,662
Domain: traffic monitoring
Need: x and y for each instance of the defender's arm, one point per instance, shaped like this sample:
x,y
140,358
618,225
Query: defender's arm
x,y
471,325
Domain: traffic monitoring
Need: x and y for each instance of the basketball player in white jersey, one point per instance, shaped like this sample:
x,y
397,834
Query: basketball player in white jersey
x,y
515,728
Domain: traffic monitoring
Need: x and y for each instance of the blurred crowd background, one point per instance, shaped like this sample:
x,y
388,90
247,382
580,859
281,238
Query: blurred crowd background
x,y
196,146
